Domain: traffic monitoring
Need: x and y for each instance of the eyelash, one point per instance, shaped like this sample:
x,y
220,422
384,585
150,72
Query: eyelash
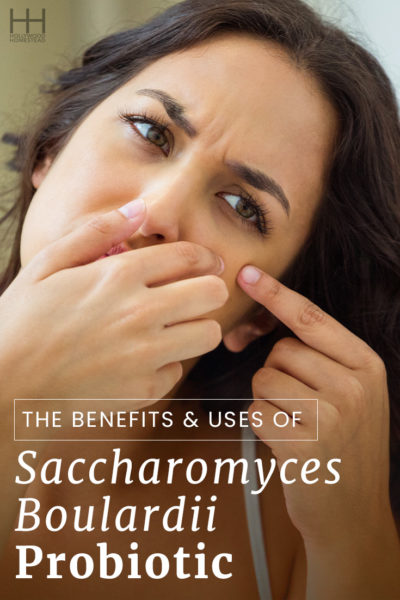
x,y
262,224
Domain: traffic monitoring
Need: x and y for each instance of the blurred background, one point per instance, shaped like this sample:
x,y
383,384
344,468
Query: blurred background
x,y
71,25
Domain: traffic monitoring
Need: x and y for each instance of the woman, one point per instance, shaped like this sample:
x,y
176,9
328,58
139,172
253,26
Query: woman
x,y
251,132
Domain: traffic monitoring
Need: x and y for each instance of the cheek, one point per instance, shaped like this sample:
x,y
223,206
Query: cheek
x,y
43,223
104,179
273,256
238,303
232,313
81,183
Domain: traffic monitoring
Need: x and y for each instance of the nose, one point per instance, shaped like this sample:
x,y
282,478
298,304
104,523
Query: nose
x,y
169,203
162,222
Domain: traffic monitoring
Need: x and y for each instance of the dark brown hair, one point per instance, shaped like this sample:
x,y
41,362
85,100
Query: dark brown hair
x,y
350,265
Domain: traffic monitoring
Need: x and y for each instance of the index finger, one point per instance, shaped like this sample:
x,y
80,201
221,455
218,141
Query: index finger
x,y
164,263
308,321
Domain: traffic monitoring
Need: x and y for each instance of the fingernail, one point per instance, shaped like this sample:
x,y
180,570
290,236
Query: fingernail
x,y
132,209
250,275
222,266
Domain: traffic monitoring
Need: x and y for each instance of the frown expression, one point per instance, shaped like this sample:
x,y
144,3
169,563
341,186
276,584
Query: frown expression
x,y
228,143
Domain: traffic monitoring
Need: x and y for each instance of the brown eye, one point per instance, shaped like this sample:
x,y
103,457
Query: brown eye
x,y
156,137
242,206
151,133
248,211
245,209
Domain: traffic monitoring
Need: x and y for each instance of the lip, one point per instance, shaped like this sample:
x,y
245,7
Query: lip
x,y
117,249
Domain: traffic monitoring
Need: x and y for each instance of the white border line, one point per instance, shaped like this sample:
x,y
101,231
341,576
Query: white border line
x,y
156,440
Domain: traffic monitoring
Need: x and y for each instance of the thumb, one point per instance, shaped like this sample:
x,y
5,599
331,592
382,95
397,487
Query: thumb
x,y
91,240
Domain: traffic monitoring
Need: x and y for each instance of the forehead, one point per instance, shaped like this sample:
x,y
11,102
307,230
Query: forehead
x,y
247,99
232,70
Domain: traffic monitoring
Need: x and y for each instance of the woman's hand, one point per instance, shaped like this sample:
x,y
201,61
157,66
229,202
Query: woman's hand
x,y
330,363
74,326
350,538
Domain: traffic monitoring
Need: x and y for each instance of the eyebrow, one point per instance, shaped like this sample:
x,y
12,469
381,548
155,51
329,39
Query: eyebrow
x,y
173,108
254,177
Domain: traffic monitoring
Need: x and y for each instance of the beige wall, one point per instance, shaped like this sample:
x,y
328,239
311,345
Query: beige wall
x,y
71,25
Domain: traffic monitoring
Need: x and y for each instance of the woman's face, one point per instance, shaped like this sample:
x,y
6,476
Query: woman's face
x,y
228,143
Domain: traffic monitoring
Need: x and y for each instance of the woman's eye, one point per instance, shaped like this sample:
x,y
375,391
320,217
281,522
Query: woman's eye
x,y
250,212
156,133
242,206
150,132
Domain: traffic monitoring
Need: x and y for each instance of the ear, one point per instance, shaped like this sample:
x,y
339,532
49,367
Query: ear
x,y
40,172
259,323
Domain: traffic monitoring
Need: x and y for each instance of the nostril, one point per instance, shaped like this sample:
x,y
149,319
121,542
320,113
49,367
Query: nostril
x,y
159,236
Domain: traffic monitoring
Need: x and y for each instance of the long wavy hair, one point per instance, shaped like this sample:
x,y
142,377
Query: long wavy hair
x,y
350,264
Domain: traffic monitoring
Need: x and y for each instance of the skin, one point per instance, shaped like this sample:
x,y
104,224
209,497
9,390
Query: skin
x,y
291,142
330,363
289,134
